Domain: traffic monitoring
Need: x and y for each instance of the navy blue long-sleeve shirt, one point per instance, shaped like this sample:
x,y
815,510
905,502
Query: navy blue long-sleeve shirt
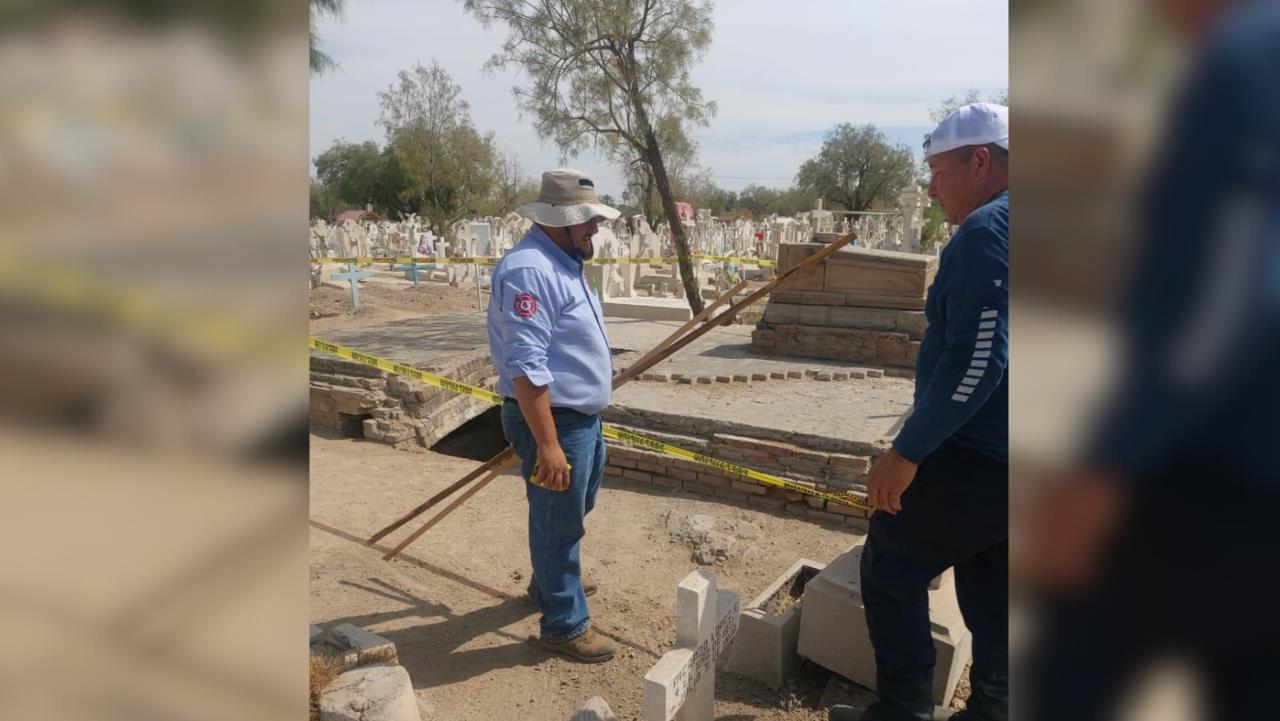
x,y
1202,312
962,388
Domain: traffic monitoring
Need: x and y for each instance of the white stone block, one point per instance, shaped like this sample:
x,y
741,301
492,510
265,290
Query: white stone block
x,y
368,647
765,645
833,628
595,709
371,693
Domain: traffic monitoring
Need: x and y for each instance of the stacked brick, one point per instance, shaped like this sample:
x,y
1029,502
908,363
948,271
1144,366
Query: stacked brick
x,y
391,409
859,305
819,470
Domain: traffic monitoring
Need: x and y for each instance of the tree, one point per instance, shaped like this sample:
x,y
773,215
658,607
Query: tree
x,y
357,174
857,168
449,166
972,96
321,62
762,201
511,187
324,204
607,74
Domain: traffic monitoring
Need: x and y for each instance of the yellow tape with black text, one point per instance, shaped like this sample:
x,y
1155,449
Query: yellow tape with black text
x,y
613,432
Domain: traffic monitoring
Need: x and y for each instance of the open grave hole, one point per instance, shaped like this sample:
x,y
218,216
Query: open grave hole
x,y
790,593
352,424
479,439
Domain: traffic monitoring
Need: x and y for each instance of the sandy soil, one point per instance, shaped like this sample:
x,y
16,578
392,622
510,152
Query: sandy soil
x,y
383,303
454,601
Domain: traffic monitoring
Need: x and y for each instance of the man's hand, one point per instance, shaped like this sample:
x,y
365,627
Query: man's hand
x,y
887,481
1071,526
553,468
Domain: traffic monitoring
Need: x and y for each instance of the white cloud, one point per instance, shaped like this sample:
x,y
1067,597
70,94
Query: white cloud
x,y
782,74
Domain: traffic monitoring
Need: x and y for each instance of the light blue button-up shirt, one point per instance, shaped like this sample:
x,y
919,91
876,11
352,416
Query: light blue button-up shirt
x,y
545,324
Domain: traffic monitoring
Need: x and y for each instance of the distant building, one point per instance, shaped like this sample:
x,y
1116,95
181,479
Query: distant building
x,y
359,216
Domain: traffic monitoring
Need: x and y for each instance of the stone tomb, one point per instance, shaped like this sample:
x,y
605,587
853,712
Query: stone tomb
x,y
833,628
859,304
769,629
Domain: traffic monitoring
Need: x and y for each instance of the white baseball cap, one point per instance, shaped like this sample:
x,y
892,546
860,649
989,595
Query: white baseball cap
x,y
973,124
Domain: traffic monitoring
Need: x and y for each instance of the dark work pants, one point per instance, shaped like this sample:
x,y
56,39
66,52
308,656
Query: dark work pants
x,y
955,513
1188,577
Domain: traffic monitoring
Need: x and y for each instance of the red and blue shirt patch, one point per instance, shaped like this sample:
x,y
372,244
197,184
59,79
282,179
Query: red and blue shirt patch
x,y
526,305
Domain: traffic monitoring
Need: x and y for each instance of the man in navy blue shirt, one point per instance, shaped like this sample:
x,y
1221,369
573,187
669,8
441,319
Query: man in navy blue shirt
x,y
942,490
1160,544
551,353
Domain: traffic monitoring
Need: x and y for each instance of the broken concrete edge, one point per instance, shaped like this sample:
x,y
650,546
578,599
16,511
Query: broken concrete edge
x,y
372,686
380,692
595,709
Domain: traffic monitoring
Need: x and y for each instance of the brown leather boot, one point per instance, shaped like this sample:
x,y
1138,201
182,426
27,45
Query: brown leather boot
x,y
589,587
590,647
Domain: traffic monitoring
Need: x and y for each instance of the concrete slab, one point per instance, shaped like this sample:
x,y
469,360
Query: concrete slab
x,y
367,647
676,309
833,628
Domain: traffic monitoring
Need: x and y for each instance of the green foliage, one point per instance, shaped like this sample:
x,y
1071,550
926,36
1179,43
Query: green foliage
x,y
357,174
324,203
451,170
320,61
972,96
857,169
613,76
932,230
600,71
762,201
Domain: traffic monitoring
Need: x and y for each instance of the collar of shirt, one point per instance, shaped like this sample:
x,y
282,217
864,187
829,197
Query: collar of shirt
x,y
573,265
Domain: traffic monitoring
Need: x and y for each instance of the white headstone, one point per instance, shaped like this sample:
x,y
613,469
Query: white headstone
x,y
681,685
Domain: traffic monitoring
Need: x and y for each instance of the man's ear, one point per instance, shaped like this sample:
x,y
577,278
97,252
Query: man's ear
x,y
981,161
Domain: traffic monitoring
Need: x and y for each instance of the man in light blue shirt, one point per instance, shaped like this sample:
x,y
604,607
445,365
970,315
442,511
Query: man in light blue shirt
x,y
549,347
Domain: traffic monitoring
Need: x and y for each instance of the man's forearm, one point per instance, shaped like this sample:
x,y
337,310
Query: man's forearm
x,y
535,405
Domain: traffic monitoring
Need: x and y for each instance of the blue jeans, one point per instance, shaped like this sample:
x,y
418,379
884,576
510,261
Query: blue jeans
x,y
556,517
955,513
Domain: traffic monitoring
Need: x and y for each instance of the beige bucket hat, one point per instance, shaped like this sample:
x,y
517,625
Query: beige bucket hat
x,y
568,197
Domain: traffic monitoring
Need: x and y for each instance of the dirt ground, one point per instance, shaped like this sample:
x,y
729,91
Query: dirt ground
x,y
454,601
383,303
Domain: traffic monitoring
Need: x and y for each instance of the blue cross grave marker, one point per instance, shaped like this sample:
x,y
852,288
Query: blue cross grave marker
x,y
413,267
353,276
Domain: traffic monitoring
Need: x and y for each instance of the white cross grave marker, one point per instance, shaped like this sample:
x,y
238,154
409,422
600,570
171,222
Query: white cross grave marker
x,y
682,684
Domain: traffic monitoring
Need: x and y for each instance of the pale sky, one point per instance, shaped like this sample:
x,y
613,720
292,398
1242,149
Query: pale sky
x,y
782,73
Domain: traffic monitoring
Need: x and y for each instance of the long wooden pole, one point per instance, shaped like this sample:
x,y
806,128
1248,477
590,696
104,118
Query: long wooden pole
x,y
672,347
645,361
496,461
502,458
447,510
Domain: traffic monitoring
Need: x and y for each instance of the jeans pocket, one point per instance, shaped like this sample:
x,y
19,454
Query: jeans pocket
x,y
518,434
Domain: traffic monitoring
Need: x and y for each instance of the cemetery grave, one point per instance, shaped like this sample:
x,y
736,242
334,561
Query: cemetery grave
x,y
453,603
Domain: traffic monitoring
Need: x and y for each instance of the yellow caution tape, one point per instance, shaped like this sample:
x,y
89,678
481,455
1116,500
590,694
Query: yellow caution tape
x,y
613,432
405,259
490,260
401,369
765,478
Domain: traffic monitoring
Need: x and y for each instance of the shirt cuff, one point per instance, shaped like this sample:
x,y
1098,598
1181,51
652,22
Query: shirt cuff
x,y
910,448
538,375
